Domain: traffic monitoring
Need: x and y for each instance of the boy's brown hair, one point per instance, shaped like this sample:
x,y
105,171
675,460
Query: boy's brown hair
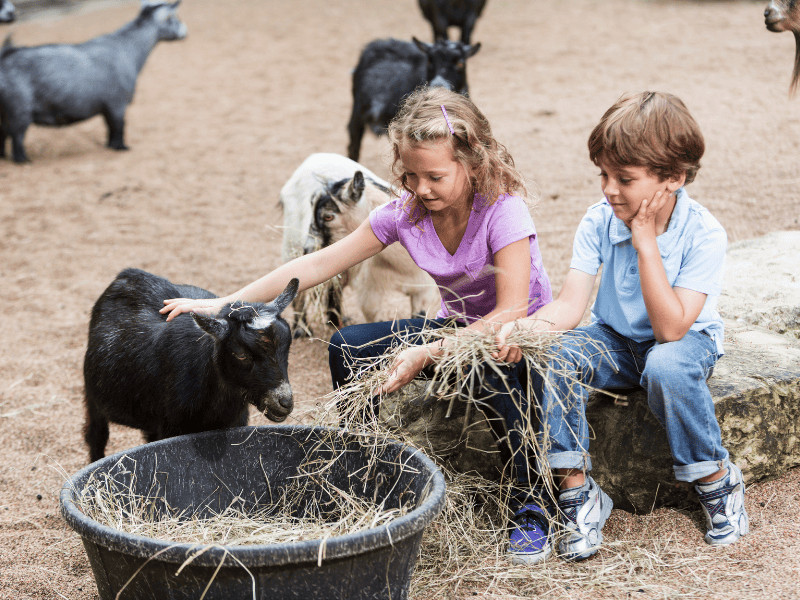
x,y
649,129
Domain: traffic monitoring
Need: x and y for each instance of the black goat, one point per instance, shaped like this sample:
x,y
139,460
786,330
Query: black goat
x,y
195,373
61,84
452,13
7,12
784,15
389,69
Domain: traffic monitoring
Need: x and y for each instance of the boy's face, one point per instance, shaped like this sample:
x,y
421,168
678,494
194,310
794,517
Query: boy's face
x,y
625,187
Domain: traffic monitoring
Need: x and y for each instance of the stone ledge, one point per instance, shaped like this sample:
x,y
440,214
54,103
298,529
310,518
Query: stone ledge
x,y
762,282
756,391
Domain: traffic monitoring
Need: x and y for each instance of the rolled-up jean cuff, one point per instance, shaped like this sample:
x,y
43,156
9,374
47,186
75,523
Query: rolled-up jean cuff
x,y
570,460
699,470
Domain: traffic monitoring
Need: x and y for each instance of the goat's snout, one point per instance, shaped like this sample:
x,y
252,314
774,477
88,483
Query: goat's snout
x,y
278,403
773,16
440,81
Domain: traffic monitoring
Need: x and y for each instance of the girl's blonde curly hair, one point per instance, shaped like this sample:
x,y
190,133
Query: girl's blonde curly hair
x,y
487,161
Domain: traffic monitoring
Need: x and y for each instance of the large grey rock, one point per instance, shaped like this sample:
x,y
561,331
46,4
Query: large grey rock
x,y
756,391
755,386
762,282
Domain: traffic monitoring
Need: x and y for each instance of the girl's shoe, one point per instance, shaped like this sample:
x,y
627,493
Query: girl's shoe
x,y
530,535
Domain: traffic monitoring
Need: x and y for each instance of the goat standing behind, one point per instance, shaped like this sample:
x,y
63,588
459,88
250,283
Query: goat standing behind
x,y
452,13
784,15
61,84
193,374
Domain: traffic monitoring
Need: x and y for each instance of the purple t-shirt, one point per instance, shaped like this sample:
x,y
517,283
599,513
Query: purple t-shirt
x,y
466,279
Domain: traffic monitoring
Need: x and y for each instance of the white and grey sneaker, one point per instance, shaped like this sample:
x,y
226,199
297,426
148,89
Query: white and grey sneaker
x,y
723,504
584,511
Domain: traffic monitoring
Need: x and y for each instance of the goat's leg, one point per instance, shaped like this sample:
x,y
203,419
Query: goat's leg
x,y
115,121
466,30
335,301
17,134
95,431
356,129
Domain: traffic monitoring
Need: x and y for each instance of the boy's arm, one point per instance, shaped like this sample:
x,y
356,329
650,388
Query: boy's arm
x,y
563,313
671,311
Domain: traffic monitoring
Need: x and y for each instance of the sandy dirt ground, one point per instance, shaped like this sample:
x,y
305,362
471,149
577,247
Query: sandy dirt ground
x,y
220,121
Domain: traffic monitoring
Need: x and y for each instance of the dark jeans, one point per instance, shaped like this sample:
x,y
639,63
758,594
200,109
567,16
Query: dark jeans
x,y
501,396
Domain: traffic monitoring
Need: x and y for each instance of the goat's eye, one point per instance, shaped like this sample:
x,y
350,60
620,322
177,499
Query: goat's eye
x,y
460,65
328,218
240,356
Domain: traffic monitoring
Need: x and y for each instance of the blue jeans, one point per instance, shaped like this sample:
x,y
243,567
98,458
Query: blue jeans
x,y
674,376
371,340
503,409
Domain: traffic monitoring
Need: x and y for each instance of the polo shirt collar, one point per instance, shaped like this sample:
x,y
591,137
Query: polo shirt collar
x,y
619,232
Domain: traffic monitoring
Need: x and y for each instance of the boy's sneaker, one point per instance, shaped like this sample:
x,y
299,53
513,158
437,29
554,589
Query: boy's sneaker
x,y
723,504
530,535
584,511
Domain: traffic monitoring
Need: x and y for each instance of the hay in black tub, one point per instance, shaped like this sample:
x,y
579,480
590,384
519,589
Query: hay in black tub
x,y
208,471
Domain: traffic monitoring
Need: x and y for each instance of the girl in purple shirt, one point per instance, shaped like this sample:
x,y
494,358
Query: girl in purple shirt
x,y
461,223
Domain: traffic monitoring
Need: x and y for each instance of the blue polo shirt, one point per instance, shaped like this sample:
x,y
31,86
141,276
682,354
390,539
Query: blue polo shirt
x,y
693,252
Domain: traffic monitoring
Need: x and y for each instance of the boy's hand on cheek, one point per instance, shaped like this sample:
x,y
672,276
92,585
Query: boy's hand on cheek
x,y
643,225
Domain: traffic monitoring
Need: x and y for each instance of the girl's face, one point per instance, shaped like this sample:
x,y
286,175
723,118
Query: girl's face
x,y
626,187
437,179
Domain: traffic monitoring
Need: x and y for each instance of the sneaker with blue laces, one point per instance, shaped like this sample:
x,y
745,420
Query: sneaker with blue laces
x,y
530,535
723,504
584,511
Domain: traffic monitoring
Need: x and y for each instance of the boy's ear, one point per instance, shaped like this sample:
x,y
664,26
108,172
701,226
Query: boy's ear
x,y
676,182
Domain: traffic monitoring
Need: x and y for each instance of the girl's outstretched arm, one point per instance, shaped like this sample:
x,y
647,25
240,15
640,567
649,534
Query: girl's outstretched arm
x,y
310,269
563,313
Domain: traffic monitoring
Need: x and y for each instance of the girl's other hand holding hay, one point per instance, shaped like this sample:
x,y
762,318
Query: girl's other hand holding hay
x,y
408,364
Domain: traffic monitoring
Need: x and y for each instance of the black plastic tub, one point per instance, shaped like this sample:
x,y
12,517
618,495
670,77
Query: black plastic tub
x,y
208,470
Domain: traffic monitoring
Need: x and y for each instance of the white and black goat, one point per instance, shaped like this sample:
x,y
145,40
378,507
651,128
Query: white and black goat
x,y
325,199
195,373
61,84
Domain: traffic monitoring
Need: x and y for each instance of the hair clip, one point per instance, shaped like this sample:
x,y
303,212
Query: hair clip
x,y
446,118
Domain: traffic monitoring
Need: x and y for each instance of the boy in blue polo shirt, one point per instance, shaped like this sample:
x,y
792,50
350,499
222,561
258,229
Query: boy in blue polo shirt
x,y
655,315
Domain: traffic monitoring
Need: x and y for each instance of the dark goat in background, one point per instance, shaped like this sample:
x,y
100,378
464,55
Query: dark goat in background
x,y
784,15
61,84
389,69
452,13
195,373
7,11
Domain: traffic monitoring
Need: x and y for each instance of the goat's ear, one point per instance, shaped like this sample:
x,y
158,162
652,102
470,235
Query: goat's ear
x,y
216,328
472,50
355,189
287,295
421,45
